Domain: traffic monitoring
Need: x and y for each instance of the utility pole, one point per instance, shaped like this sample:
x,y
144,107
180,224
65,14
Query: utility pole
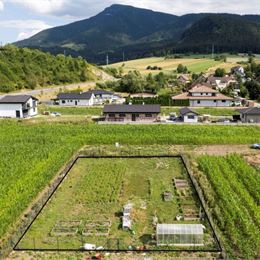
x,y
107,60
123,56
213,51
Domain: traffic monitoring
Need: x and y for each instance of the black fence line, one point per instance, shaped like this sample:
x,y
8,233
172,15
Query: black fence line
x,y
93,156
201,202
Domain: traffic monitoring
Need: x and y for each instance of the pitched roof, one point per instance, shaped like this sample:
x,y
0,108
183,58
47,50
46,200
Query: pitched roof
x,y
202,88
250,111
84,95
185,77
16,99
186,110
225,79
100,92
132,109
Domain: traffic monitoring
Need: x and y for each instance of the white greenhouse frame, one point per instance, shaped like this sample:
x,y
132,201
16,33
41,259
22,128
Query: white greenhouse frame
x,y
180,234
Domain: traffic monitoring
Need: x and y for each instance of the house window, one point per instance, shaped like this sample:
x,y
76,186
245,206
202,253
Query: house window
x,y
71,101
198,101
191,117
215,101
201,94
111,115
63,101
136,115
223,101
121,115
148,115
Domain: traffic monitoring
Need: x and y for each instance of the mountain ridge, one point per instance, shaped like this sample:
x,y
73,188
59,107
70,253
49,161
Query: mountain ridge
x,y
123,28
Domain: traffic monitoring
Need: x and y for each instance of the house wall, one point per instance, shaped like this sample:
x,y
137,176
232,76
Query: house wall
x,y
198,94
250,118
9,110
31,105
128,117
186,118
210,103
80,102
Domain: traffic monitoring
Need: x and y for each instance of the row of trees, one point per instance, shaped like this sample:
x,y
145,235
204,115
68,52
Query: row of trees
x,y
25,68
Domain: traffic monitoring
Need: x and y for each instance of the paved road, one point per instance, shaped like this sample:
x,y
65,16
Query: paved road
x,y
52,89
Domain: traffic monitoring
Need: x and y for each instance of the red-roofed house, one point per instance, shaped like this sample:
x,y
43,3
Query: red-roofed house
x,y
203,96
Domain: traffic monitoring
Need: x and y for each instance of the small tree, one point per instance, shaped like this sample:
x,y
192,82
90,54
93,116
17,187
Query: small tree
x,y
220,72
182,69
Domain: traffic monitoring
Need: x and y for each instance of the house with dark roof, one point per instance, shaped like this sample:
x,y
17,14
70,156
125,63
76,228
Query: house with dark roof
x,y
250,115
202,95
89,98
188,115
18,106
131,113
75,99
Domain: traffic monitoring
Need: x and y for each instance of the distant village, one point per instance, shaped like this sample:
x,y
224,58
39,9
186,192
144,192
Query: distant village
x,y
206,91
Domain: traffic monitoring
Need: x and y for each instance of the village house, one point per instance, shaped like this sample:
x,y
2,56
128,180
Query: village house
x,y
188,115
131,113
238,70
89,98
183,79
203,96
250,115
18,106
221,83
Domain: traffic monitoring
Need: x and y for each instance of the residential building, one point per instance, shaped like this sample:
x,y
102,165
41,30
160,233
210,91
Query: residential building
x,y
89,98
203,96
75,99
131,113
18,106
221,83
184,79
188,115
250,115
238,70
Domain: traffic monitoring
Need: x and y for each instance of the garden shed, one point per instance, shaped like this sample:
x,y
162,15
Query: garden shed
x,y
180,234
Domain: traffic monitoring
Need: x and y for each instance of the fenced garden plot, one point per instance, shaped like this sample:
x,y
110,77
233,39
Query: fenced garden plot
x,y
66,228
101,186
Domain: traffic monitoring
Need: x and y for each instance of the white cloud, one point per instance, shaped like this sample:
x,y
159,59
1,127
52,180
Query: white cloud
x,y
26,28
1,5
86,8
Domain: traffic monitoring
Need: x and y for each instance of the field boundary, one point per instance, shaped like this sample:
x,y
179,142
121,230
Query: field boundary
x,y
68,168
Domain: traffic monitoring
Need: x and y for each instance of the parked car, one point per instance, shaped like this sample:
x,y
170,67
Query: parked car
x,y
256,146
55,114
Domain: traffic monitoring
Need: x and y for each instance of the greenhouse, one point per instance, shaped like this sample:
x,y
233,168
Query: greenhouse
x,y
180,234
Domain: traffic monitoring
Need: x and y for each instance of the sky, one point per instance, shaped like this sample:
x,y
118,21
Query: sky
x,y
20,19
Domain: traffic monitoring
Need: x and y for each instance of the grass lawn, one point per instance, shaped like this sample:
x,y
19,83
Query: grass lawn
x,y
96,111
87,111
96,190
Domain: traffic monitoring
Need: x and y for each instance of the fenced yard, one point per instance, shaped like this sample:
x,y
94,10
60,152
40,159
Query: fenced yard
x,y
88,206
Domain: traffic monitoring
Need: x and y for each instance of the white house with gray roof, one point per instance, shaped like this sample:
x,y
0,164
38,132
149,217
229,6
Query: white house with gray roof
x,y
89,98
18,106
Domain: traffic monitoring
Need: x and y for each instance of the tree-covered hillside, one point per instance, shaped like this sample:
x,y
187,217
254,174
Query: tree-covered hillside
x,y
140,33
24,68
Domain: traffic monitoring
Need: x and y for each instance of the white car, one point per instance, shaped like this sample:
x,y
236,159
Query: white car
x,y
256,146
55,114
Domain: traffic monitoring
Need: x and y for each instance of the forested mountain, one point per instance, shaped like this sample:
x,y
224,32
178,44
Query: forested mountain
x,y
227,32
25,68
140,32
